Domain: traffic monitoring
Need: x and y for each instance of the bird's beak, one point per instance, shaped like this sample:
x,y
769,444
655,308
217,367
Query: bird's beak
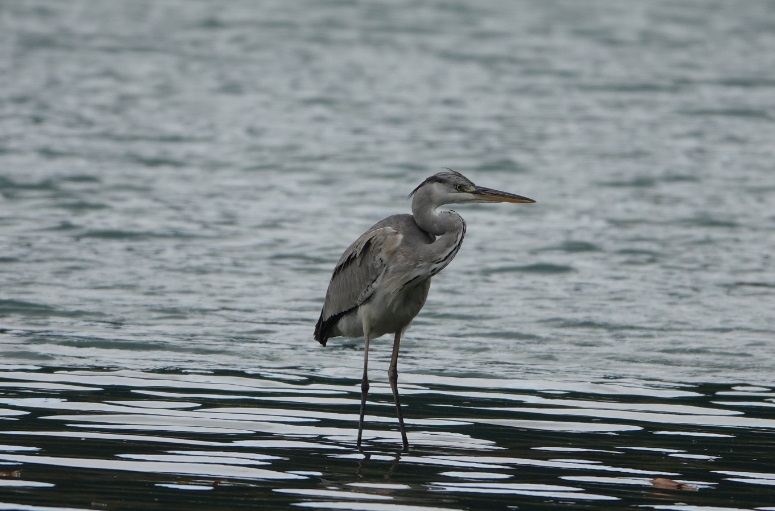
x,y
489,195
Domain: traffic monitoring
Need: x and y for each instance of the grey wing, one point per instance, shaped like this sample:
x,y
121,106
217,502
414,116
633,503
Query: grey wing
x,y
355,276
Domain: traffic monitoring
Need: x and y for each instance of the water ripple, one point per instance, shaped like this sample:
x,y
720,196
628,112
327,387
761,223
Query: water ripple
x,y
469,444
179,178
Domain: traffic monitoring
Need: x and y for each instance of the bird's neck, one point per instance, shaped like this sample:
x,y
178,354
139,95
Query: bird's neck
x,y
435,222
445,225
449,229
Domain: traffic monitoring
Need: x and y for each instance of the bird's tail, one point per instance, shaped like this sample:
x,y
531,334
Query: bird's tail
x,y
321,331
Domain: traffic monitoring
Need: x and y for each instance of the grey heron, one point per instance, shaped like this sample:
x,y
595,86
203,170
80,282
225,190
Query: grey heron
x,y
382,280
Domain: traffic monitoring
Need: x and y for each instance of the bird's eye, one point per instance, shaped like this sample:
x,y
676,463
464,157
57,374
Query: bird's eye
x,y
460,187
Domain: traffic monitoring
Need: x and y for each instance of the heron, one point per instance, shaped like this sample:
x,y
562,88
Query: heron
x,y
382,280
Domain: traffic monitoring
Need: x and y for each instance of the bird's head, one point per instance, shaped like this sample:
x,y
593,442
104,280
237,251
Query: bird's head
x,y
451,187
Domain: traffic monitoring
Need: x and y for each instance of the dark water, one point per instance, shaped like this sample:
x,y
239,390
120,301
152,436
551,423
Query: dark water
x,y
228,440
178,178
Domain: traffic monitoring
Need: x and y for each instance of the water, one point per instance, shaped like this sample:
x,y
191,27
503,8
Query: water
x,y
177,180
140,440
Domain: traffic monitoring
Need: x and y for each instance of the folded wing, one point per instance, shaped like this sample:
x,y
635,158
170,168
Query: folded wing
x,y
356,277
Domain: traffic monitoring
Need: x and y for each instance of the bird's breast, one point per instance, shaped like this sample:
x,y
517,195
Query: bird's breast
x,y
393,308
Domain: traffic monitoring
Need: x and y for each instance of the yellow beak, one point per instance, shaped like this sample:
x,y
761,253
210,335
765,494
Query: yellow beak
x,y
490,195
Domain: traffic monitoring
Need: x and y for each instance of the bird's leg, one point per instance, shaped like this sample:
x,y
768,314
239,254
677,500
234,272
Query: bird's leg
x,y
364,390
393,378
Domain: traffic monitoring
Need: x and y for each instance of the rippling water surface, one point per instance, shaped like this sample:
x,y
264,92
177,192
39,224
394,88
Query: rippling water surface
x,y
177,180
140,440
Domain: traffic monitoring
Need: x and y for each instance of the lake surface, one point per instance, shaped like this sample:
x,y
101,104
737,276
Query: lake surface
x,y
177,180
95,439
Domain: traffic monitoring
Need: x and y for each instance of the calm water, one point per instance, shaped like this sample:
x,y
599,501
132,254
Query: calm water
x,y
177,180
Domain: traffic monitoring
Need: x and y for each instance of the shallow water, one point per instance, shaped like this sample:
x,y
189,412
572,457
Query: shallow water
x,y
182,440
177,180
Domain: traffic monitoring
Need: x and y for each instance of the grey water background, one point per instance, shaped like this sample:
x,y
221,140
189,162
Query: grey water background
x,y
177,180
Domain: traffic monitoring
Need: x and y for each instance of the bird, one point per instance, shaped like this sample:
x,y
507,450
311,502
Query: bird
x,y
381,281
